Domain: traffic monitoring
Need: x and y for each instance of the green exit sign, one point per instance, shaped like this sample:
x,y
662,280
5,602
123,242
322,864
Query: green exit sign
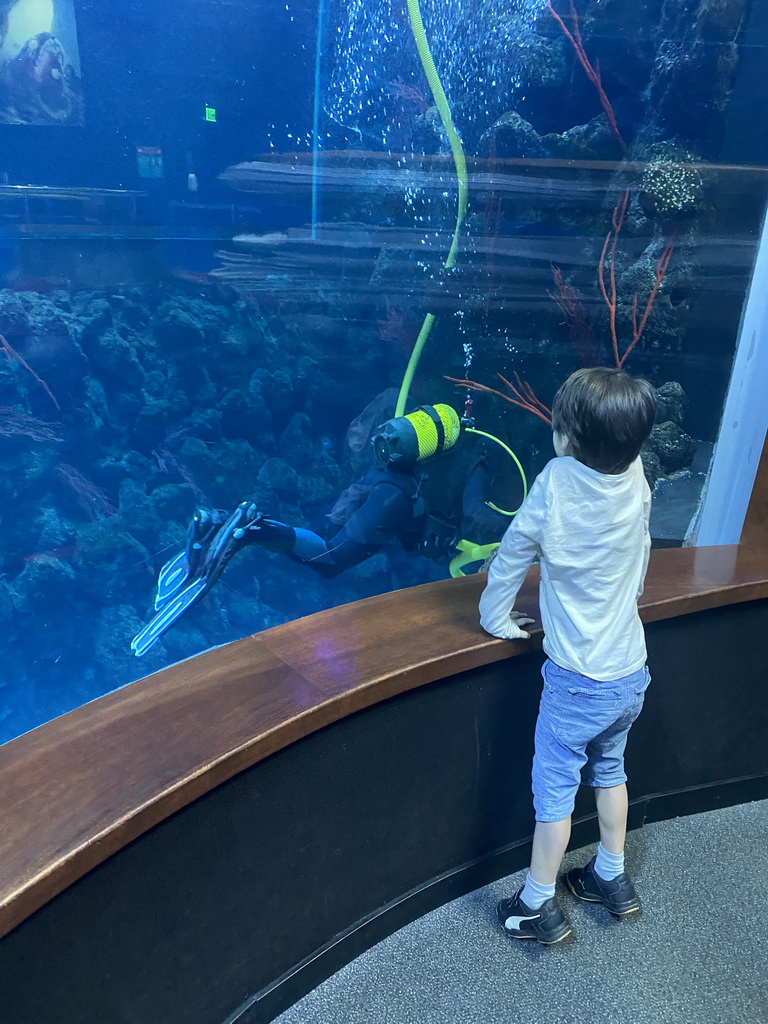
x,y
210,113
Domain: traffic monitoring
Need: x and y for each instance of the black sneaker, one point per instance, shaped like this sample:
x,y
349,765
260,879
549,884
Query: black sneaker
x,y
548,924
617,894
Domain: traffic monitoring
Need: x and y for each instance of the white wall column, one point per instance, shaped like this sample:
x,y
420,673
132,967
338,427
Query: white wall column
x,y
745,420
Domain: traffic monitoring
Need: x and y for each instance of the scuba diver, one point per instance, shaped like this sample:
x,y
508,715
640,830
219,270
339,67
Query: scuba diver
x,y
400,499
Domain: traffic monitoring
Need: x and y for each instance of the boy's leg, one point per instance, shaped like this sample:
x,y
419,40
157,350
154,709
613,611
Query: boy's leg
x,y
550,838
612,809
534,913
603,879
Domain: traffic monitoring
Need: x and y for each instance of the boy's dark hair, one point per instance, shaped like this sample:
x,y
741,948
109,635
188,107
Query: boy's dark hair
x,y
606,415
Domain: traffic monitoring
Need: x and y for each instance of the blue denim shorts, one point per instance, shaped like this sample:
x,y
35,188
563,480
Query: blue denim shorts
x,y
581,733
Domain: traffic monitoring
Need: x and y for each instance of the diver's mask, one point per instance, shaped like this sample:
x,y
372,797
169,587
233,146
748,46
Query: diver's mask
x,y
405,440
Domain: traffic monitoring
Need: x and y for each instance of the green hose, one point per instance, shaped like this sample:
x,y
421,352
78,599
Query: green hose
x,y
508,450
444,109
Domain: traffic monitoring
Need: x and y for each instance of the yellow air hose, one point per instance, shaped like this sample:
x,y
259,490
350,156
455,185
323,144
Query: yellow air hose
x,y
444,109
459,159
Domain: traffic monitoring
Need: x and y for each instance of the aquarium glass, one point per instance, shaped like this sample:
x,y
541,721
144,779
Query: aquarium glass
x,y
239,238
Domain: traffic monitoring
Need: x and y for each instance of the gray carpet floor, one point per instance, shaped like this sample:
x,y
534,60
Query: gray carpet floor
x,y
697,953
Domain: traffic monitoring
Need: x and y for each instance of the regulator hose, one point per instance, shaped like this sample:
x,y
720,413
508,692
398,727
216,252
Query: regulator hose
x,y
444,109
508,450
460,162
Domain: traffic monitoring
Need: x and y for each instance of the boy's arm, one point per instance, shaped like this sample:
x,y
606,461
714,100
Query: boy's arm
x,y
647,542
519,546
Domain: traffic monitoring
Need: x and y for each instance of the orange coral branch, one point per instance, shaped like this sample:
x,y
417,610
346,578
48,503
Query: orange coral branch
x,y
12,354
568,302
661,270
525,397
610,296
593,73
617,223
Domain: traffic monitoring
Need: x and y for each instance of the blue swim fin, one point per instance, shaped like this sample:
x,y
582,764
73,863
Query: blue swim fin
x,y
165,618
188,576
172,579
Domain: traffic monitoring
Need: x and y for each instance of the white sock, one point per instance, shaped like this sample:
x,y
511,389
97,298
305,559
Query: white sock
x,y
608,865
534,894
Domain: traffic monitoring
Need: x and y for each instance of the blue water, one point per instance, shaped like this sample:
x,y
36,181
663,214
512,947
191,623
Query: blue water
x,y
196,311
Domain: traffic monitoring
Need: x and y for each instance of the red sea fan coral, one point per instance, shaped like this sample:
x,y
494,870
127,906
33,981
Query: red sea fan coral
x,y
92,500
18,424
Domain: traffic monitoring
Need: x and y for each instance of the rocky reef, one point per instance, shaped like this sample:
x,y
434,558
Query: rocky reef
x,y
123,410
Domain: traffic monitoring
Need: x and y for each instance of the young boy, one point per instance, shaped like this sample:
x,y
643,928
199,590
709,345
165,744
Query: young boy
x,y
587,518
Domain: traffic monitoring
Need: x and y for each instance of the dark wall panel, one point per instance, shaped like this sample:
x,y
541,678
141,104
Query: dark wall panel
x,y
346,835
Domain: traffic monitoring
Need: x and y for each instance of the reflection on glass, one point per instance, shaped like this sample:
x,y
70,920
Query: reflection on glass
x,y
284,308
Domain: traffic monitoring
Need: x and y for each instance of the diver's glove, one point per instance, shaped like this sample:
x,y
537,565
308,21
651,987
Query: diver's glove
x,y
212,539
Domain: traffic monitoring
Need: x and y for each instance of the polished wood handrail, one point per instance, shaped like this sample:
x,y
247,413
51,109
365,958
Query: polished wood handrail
x,y
79,788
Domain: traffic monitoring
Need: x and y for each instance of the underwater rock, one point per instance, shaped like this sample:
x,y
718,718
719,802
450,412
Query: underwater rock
x,y
47,316
151,426
116,358
136,510
172,502
591,141
133,313
244,415
314,491
92,318
673,185
327,468
665,329
238,465
512,137
296,445
54,530
45,582
66,370
276,475
111,471
674,448
720,20
177,330
111,563
694,69
428,133
278,389
651,466
670,403
113,629
13,314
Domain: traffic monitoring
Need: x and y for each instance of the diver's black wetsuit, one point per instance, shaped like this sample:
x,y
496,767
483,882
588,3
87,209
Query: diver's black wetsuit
x,y
438,509
381,508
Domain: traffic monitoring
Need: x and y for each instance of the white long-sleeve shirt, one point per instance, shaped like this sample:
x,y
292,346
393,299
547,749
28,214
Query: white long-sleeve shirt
x,y
590,530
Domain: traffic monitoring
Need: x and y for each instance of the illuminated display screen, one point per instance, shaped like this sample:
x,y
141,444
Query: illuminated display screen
x,y
39,63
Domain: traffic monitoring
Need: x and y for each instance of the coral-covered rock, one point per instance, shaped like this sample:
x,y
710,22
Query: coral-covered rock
x,y
670,403
276,475
651,466
674,448
244,415
44,583
14,319
117,361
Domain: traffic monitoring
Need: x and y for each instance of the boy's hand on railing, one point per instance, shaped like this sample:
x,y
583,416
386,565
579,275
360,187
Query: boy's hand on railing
x,y
516,620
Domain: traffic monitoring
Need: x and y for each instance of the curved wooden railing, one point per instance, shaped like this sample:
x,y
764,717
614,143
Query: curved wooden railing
x,y
78,789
